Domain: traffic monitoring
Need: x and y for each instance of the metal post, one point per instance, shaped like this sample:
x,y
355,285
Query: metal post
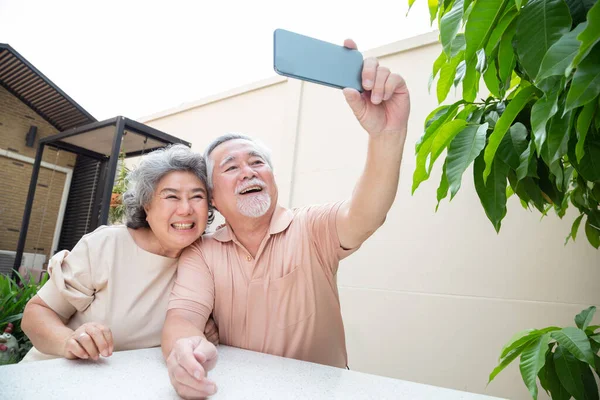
x,y
28,206
112,169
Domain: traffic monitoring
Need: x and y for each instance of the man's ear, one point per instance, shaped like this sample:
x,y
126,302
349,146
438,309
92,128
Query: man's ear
x,y
212,203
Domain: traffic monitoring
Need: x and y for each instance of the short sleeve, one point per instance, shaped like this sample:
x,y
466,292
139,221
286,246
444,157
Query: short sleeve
x,y
322,222
194,288
70,287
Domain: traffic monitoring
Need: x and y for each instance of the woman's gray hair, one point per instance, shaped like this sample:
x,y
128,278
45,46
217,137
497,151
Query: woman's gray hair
x,y
142,181
260,147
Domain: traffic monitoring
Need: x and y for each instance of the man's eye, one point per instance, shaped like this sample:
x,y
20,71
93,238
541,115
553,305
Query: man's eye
x,y
258,162
230,168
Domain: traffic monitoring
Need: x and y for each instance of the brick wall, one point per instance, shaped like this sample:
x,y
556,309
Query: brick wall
x,y
15,120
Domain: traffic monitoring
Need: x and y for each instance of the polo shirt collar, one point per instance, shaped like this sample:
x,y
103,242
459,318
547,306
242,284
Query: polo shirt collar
x,y
281,219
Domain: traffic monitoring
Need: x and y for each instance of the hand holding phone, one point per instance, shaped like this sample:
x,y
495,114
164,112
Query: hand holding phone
x,y
302,57
383,104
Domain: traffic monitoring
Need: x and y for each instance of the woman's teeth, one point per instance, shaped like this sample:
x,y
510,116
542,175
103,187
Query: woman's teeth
x,y
182,226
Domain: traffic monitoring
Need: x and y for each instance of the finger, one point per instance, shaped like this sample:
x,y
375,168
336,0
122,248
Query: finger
x,y
368,72
206,353
88,345
349,43
380,81
190,393
394,84
182,378
213,338
356,102
108,337
184,357
74,348
98,338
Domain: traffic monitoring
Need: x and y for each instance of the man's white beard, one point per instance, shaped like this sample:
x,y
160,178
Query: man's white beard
x,y
254,206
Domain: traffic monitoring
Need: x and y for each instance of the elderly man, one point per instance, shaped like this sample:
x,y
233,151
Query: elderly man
x,y
269,275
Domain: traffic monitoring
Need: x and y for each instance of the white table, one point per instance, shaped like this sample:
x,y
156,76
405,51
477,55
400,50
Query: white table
x,y
239,374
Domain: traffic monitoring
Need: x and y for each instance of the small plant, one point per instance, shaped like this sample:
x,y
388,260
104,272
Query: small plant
x,y
14,295
562,359
117,209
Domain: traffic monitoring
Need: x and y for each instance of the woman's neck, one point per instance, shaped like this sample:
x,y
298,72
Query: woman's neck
x,y
147,240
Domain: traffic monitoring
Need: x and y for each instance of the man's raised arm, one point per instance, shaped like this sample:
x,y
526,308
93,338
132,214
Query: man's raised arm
x,y
382,110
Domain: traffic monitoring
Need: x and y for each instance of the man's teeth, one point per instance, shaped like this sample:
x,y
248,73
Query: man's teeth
x,y
250,188
182,226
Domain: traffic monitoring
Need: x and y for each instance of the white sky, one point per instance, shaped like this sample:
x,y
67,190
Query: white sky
x,y
135,58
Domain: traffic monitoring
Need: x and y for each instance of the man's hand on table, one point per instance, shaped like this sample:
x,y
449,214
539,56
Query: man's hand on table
x,y
188,365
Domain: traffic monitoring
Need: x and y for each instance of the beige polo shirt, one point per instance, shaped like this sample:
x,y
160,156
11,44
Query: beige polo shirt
x,y
283,302
107,278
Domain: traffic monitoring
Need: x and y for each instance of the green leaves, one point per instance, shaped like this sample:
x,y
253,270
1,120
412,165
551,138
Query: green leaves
x,y
442,190
576,341
534,38
542,111
566,372
443,138
433,146
583,319
540,60
533,359
589,37
574,228
508,358
481,23
450,24
447,73
492,193
513,145
560,54
586,81
502,126
583,125
557,145
592,229
506,55
470,82
589,165
433,9
462,151
556,389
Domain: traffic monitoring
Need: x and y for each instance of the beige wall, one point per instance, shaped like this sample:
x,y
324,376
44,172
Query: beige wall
x,y
15,120
430,297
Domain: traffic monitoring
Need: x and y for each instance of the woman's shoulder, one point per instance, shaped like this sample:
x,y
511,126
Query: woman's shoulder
x,y
105,234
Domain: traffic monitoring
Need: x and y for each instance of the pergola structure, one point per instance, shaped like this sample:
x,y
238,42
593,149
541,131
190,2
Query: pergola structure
x,y
101,141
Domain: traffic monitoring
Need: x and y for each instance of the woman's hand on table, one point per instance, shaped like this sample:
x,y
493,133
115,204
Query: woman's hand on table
x,y
188,365
90,340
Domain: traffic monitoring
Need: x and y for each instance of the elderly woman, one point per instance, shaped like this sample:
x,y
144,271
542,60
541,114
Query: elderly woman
x,y
110,292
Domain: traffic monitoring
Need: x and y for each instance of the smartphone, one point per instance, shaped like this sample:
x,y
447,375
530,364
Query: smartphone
x,y
302,57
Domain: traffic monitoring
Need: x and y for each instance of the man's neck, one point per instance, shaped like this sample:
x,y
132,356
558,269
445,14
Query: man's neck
x,y
250,232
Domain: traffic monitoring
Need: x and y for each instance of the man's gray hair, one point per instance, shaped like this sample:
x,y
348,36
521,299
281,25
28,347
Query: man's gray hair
x,y
260,147
142,181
